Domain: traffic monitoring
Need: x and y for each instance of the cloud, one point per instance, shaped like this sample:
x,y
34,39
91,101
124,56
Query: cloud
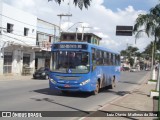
x,y
23,3
96,16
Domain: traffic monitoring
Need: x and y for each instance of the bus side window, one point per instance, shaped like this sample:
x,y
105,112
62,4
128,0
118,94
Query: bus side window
x,y
114,59
102,58
108,58
93,59
101,62
97,57
111,60
117,60
105,58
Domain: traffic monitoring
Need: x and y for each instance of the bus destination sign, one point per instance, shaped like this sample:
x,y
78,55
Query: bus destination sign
x,y
70,46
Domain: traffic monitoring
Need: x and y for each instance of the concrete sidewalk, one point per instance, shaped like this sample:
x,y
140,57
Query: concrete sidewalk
x,y
18,77
137,100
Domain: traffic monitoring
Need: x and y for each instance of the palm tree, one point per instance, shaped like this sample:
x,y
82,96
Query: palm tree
x,y
149,23
148,49
80,3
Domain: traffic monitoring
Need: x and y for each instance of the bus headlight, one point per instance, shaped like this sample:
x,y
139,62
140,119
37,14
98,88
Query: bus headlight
x,y
85,82
53,81
43,73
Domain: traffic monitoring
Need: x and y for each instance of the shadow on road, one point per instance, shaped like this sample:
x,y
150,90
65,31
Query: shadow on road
x,y
140,92
47,91
39,79
78,112
120,93
128,82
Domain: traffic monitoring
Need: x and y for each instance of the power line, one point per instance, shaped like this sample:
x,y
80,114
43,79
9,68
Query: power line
x,y
18,31
30,24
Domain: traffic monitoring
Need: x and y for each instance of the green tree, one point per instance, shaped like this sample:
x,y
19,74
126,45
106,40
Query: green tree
x,y
149,23
130,52
148,50
80,3
131,61
124,53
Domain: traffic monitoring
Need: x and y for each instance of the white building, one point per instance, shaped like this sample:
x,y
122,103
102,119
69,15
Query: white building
x,y
17,40
46,35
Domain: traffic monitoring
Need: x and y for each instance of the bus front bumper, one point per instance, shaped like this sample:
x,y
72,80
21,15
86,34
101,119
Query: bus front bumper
x,y
67,87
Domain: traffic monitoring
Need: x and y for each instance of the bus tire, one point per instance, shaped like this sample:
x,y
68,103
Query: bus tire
x,y
64,92
113,83
96,91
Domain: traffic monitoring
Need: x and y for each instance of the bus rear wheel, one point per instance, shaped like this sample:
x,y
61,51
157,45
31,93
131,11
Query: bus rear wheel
x,y
113,83
96,91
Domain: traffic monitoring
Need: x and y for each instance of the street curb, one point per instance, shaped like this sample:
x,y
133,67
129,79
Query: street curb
x,y
14,78
144,81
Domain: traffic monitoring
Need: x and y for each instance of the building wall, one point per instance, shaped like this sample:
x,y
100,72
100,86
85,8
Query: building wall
x,y
45,38
41,62
15,42
87,38
51,30
19,19
1,43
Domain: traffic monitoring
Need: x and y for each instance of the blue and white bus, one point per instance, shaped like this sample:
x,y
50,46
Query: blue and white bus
x,y
80,66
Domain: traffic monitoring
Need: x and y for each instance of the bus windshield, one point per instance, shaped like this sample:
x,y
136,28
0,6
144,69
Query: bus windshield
x,y
70,62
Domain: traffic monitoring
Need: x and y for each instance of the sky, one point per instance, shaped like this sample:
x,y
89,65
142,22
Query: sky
x,y
101,18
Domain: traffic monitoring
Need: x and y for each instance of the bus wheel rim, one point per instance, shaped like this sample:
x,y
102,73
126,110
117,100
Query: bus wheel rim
x,y
113,83
97,88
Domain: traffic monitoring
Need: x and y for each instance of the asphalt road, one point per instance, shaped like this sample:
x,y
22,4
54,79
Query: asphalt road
x,y
34,95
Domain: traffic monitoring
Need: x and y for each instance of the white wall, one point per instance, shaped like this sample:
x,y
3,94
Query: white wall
x,y
1,42
20,19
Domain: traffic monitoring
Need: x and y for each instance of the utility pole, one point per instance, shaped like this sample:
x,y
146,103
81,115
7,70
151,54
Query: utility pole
x,y
82,33
76,33
60,16
68,12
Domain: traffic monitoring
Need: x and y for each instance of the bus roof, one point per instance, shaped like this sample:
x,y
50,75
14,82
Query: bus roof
x,y
92,45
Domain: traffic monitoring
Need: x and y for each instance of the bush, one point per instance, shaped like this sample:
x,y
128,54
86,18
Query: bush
x,y
152,80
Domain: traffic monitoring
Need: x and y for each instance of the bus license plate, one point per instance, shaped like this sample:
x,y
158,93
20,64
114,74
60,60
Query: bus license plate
x,y
67,86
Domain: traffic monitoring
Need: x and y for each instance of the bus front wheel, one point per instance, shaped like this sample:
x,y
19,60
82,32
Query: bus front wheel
x,y
64,92
96,91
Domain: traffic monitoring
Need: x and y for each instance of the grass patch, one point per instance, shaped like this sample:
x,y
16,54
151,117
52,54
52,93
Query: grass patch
x,y
152,80
154,91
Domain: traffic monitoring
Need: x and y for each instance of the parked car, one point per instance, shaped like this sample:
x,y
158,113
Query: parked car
x,y
134,69
124,68
42,73
147,69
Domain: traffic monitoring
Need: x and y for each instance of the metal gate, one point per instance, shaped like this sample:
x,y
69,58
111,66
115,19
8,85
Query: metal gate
x,y
7,66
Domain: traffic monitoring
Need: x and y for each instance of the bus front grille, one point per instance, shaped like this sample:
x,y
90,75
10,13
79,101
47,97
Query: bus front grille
x,y
68,77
